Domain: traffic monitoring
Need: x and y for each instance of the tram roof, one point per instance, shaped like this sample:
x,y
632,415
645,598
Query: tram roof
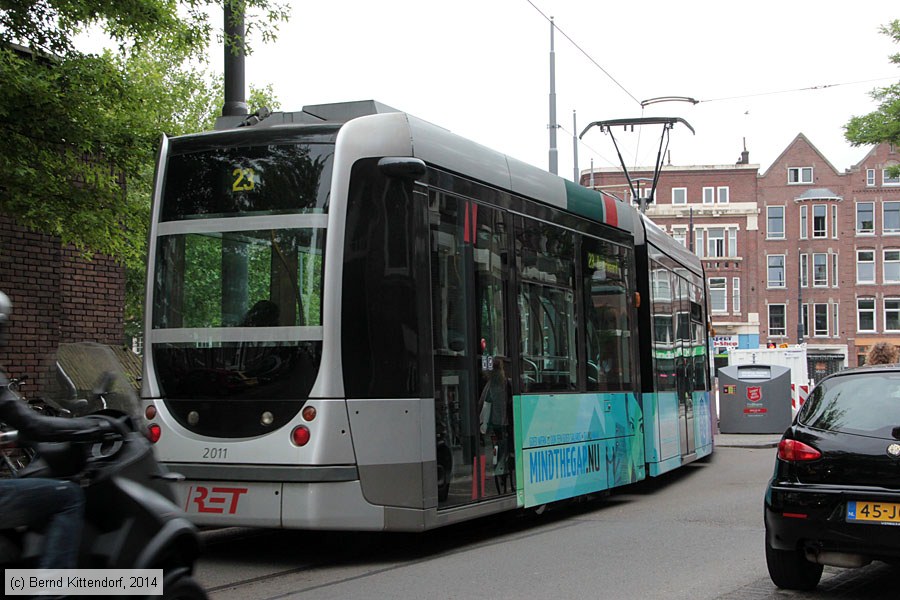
x,y
440,147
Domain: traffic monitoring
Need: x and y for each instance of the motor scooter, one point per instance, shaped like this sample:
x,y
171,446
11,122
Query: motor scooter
x,y
131,518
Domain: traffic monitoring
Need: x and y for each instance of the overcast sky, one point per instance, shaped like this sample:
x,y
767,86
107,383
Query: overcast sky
x,y
481,70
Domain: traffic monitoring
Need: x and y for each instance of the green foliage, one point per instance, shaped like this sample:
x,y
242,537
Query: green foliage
x,y
79,130
882,125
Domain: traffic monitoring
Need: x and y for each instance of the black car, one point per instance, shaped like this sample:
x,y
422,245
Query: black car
x,y
834,498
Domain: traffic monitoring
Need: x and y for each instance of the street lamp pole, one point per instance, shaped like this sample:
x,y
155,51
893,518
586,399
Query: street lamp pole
x,y
554,160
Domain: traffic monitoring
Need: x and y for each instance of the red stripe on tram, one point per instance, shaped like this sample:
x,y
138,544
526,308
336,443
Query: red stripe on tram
x,y
470,223
611,216
466,225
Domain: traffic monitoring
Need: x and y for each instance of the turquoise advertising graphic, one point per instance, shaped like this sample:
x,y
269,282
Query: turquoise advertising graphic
x,y
573,444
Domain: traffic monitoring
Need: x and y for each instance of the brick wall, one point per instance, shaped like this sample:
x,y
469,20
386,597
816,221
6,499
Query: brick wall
x,y
58,296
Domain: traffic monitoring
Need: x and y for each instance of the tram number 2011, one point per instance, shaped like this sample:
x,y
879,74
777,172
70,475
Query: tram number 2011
x,y
215,453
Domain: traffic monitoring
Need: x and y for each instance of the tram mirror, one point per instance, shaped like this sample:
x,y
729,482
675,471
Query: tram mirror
x,y
403,167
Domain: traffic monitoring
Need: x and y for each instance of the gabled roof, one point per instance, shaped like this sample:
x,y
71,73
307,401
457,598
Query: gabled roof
x,y
872,150
800,138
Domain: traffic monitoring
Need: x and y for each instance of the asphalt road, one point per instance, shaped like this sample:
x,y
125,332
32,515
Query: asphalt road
x,y
695,534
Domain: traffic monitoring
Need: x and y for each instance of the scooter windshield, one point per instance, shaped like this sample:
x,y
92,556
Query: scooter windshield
x,y
86,378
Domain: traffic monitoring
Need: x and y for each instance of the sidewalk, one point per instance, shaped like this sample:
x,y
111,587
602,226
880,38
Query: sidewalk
x,y
747,440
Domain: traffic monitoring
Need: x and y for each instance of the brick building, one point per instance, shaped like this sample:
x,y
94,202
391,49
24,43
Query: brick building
x,y
58,296
801,253
873,212
713,211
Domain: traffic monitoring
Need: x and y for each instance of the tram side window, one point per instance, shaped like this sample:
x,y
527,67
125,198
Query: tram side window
x,y
379,313
701,361
663,328
545,259
607,315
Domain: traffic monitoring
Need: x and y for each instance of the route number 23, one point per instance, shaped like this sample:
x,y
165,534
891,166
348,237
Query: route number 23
x,y
244,180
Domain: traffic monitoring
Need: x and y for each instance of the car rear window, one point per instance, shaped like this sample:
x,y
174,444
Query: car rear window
x,y
864,403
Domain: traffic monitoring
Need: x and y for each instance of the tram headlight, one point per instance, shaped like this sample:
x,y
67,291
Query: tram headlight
x,y
267,418
300,435
193,417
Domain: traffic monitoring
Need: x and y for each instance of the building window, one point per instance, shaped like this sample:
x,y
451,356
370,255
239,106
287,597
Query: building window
x,y
891,222
886,180
865,314
679,195
820,221
718,290
732,242
776,270
709,195
865,266
804,270
775,222
835,313
777,320
804,319
722,195
820,320
680,235
715,242
892,314
736,295
804,226
892,266
820,270
870,177
800,175
698,242
865,217
834,270
834,229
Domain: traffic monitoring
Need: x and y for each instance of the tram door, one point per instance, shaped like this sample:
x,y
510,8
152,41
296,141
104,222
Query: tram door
x,y
684,365
473,396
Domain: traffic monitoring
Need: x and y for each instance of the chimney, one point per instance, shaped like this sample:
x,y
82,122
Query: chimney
x,y
745,155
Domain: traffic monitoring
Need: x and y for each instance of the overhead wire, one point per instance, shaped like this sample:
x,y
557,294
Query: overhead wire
x,y
632,96
803,89
580,49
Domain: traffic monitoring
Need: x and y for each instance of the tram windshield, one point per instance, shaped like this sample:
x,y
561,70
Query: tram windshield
x,y
237,287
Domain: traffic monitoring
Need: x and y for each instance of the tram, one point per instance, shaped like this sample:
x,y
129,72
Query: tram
x,y
357,320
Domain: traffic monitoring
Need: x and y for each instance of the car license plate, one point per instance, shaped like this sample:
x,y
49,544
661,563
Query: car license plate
x,y
873,512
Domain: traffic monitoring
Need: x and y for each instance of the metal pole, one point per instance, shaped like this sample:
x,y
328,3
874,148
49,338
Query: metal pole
x,y
799,297
592,172
554,159
235,100
691,228
576,178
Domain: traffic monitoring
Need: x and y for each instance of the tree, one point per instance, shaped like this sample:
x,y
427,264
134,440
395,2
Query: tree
x,y
75,126
79,130
882,125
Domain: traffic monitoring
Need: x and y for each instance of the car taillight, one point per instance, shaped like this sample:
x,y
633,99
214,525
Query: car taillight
x,y
794,451
154,432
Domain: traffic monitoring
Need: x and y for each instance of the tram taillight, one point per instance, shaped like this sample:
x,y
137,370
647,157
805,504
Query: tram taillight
x,y
309,413
150,413
300,435
154,432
